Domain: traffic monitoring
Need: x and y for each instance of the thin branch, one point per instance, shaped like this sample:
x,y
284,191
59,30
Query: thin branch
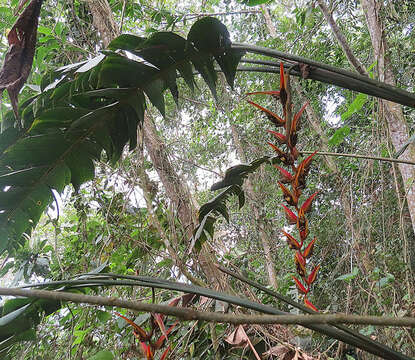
x,y
189,314
378,158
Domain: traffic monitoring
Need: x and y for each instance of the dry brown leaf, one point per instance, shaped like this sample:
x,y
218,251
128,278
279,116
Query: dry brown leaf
x,y
19,57
239,338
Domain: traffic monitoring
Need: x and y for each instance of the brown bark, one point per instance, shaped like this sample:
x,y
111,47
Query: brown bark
x,y
268,21
103,20
264,231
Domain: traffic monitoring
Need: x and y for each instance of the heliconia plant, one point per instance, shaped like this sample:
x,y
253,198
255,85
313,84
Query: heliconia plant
x,y
292,183
148,346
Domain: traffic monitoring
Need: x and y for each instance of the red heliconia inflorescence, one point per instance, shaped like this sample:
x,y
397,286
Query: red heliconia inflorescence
x,y
148,346
292,184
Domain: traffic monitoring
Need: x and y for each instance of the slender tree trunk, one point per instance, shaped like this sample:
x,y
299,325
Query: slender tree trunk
x,y
398,129
175,188
341,39
103,20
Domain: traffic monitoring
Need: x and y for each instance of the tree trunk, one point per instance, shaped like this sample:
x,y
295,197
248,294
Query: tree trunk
x,y
398,129
103,20
175,188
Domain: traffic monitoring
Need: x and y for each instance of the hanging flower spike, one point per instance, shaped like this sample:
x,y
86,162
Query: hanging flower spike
x,y
292,242
306,207
300,263
288,197
286,177
281,138
313,275
300,286
139,332
309,249
309,304
274,118
291,217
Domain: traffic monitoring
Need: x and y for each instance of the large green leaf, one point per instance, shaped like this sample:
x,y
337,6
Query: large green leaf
x,y
94,106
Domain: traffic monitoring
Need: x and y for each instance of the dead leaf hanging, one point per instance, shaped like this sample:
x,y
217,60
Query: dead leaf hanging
x,y
19,58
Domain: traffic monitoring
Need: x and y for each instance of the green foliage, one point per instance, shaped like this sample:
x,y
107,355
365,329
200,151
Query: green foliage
x,y
92,106
338,137
355,106
233,180
102,355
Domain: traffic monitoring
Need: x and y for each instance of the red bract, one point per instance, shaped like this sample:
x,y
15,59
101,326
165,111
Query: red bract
x,y
309,249
307,162
307,204
280,137
291,217
288,197
312,277
159,343
148,353
274,118
292,242
309,304
300,263
295,125
286,177
300,286
283,91
139,332
164,355
285,158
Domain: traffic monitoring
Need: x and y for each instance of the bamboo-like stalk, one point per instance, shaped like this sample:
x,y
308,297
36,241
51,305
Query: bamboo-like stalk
x,y
314,322
331,75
